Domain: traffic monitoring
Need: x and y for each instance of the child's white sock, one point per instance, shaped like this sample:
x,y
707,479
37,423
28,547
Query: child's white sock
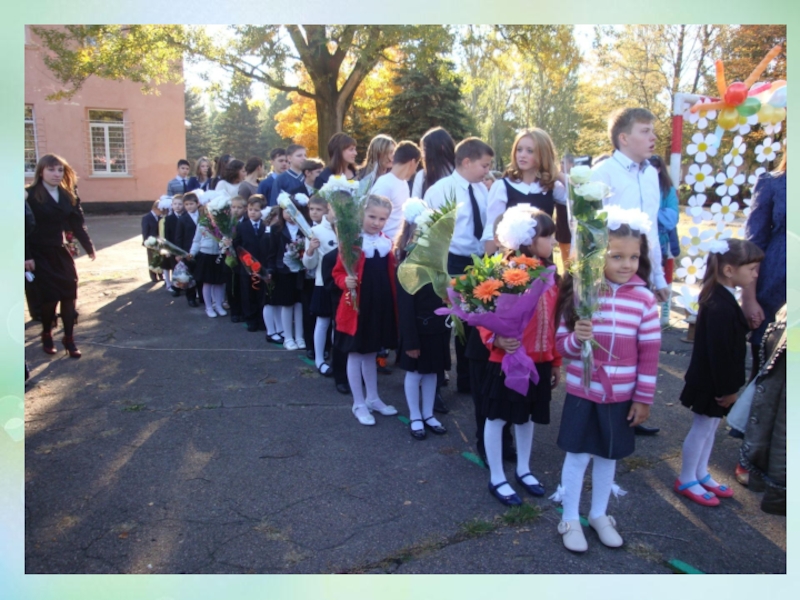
x,y
523,436
277,320
705,455
298,321
369,371
493,443
287,312
354,361
411,385
602,479
320,335
572,480
168,278
428,398
218,293
208,297
269,318
693,449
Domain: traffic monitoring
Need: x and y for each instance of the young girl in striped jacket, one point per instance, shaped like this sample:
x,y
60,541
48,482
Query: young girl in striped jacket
x,y
599,423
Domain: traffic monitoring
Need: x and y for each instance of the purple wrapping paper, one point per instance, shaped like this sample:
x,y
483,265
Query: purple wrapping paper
x,y
511,315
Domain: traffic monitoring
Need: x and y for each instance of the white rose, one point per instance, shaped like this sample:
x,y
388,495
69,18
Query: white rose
x,y
595,190
580,175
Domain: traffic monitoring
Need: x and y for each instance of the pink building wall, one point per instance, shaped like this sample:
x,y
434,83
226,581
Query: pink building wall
x,y
154,128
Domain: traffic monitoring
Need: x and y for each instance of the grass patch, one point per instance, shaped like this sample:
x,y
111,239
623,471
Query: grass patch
x,y
477,528
134,407
521,515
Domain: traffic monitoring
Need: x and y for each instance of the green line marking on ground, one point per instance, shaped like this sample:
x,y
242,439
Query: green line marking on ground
x,y
474,458
403,420
583,520
684,568
308,361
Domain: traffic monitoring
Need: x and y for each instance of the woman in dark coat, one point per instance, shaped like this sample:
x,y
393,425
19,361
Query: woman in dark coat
x,y
55,205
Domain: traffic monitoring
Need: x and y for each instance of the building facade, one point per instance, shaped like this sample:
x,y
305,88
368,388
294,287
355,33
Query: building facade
x,y
123,144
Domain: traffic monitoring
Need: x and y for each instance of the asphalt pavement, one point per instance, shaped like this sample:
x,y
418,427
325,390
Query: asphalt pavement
x,y
184,444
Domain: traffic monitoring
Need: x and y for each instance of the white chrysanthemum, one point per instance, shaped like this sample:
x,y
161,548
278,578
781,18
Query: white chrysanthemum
x,y
691,270
516,228
423,219
688,300
768,150
412,209
736,154
746,123
755,175
729,181
725,210
595,190
699,176
151,242
702,147
633,217
697,240
772,128
210,196
701,118
219,203
580,175
165,202
339,183
696,208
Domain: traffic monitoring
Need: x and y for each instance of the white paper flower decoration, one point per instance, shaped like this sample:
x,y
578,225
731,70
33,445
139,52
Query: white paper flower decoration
x,y
696,208
702,147
700,177
701,118
767,150
697,240
772,128
729,182
691,270
722,232
725,210
748,207
746,123
688,300
736,154
740,233
754,177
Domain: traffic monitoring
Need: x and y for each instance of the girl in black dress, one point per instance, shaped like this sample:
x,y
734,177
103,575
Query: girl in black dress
x,y
717,370
424,345
54,201
342,152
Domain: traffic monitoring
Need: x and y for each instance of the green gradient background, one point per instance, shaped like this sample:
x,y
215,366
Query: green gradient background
x,y
14,584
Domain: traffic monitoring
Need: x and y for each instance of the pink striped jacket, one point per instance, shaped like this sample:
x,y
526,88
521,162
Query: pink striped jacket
x,y
628,332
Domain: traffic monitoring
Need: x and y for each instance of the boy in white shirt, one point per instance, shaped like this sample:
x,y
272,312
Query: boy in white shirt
x,y
394,184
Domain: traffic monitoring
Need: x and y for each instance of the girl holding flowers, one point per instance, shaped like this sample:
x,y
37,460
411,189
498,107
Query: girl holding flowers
x,y
598,420
366,316
527,235
717,369
209,264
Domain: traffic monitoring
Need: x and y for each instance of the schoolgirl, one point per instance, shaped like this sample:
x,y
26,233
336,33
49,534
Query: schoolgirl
x,y
209,270
342,152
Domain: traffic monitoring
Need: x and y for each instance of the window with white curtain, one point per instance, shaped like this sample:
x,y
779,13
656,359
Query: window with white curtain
x,y
107,138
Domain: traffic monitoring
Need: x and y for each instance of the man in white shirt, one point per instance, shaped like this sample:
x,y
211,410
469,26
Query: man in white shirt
x,y
394,184
465,186
633,180
634,184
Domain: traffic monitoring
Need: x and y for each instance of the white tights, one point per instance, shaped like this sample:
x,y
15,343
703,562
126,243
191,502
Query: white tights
x,y
358,366
167,278
697,449
412,383
289,313
572,482
213,294
320,337
493,442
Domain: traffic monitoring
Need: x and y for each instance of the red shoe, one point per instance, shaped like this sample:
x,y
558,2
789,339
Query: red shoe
x,y
742,475
721,491
707,499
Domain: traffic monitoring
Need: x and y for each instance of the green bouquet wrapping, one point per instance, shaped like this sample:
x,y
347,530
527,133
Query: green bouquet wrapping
x,y
589,244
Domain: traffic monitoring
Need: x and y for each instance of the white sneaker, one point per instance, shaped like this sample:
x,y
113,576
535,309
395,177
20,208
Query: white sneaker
x,y
572,536
605,527
289,344
362,414
386,410
301,344
210,312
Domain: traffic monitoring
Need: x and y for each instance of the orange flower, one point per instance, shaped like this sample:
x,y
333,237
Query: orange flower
x,y
463,278
453,282
488,289
516,277
527,261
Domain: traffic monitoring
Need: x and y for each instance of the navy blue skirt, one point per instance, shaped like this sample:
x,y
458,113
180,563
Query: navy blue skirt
x,y
601,429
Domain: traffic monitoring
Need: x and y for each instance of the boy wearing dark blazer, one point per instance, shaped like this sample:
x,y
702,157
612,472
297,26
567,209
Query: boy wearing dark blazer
x,y
187,225
291,181
150,229
248,236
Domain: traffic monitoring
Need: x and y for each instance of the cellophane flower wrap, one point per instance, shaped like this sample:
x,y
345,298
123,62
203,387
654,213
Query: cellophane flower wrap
x,y
500,293
220,224
253,267
347,198
589,244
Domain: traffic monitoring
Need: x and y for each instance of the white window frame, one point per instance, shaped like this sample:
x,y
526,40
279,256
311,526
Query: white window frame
x,y
106,126
32,123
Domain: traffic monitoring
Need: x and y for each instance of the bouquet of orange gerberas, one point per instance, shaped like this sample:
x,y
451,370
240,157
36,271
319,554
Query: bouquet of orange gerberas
x,y
500,293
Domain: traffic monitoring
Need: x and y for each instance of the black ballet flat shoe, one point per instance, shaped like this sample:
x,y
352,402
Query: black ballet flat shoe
x,y
325,370
343,388
537,489
437,429
438,404
642,430
512,500
274,339
417,434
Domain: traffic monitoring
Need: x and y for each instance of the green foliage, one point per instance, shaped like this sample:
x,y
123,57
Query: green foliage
x,y
430,96
200,139
269,138
523,514
238,127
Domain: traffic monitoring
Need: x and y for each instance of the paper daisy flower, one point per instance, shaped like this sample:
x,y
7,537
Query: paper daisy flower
x,y
767,150
772,128
691,270
722,232
696,208
746,123
725,210
702,146
697,240
748,206
736,154
754,177
702,117
700,177
688,300
729,181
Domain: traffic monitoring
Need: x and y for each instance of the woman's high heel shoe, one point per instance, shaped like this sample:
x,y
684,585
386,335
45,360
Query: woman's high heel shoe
x,y
70,348
47,343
